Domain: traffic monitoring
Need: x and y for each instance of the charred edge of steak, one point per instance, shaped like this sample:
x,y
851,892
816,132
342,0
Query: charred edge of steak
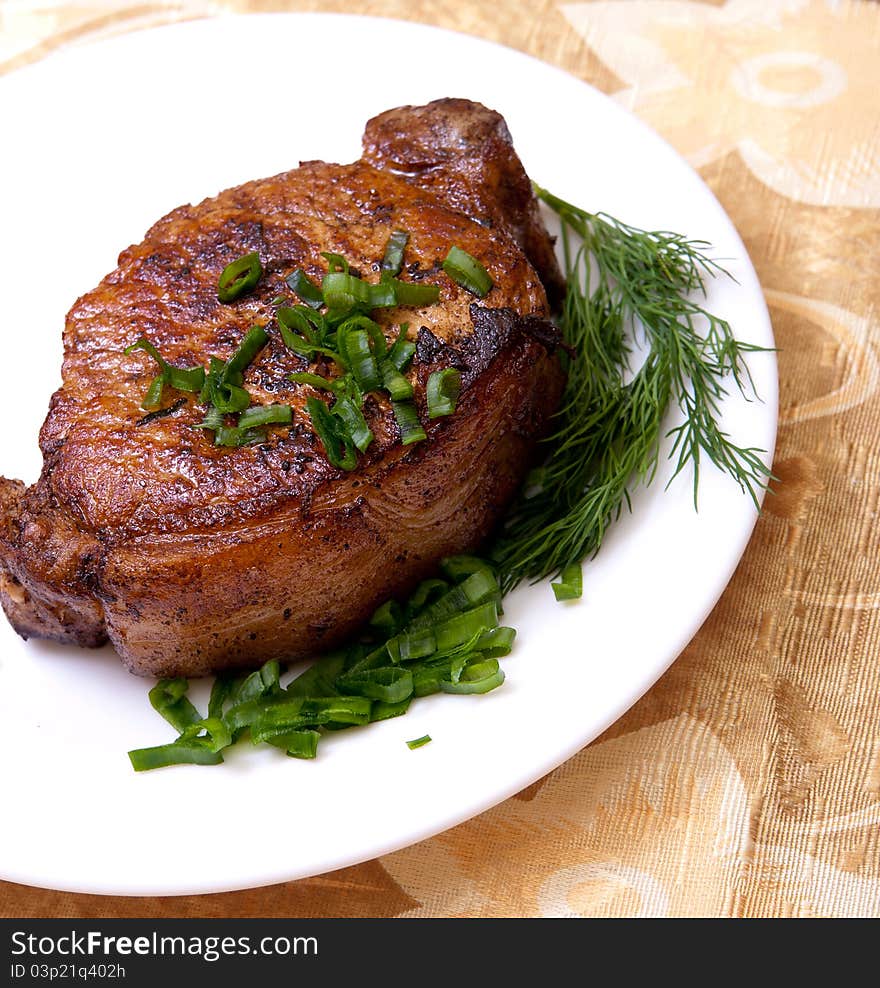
x,y
494,329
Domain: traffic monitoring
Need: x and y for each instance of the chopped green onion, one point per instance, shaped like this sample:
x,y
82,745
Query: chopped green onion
x,y
270,676
394,382
296,331
481,586
402,351
217,733
571,583
382,296
230,398
412,293
153,397
458,568
411,643
496,642
467,272
426,593
319,678
315,380
355,424
335,262
214,419
479,677
338,445
290,715
298,744
223,390
419,742
392,262
194,752
360,342
387,619
343,291
463,627
251,687
304,288
168,698
444,387
427,677
220,693
239,277
304,332
265,415
385,711
252,342
180,378
407,418
391,684
232,436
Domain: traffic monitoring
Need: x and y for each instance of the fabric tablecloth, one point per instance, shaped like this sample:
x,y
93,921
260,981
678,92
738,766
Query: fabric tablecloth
x,y
747,781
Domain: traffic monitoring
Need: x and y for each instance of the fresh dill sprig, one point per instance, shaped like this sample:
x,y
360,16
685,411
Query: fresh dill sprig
x,y
624,281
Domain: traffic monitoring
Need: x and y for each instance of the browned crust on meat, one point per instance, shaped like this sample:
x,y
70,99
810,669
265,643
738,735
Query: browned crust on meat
x,y
463,156
193,558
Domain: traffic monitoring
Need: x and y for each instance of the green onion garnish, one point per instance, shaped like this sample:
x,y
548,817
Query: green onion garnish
x,y
355,424
467,272
410,293
223,392
168,698
265,415
394,382
388,683
180,378
335,262
392,262
385,711
479,677
407,418
570,584
402,350
194,752
252,342
360,341
444,387
459,568
344,292
496,642
387,619
419,742
382,296
338,445
233,436
427,593
447,639
239,277
297,744
315,380
305,288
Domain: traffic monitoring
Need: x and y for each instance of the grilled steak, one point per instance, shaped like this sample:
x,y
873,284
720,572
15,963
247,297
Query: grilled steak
x,y
192,558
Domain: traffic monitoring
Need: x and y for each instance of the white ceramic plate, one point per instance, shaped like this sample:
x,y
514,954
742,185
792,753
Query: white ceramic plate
x,y
98,143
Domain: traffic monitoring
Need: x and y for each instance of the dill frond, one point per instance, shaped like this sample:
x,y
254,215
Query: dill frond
x,y
624,281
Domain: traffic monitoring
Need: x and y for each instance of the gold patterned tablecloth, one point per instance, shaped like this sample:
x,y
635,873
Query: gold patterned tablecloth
x,y
747,781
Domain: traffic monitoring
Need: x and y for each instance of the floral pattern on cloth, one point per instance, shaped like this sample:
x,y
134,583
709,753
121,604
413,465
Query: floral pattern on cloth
x,y
675,795
771,79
